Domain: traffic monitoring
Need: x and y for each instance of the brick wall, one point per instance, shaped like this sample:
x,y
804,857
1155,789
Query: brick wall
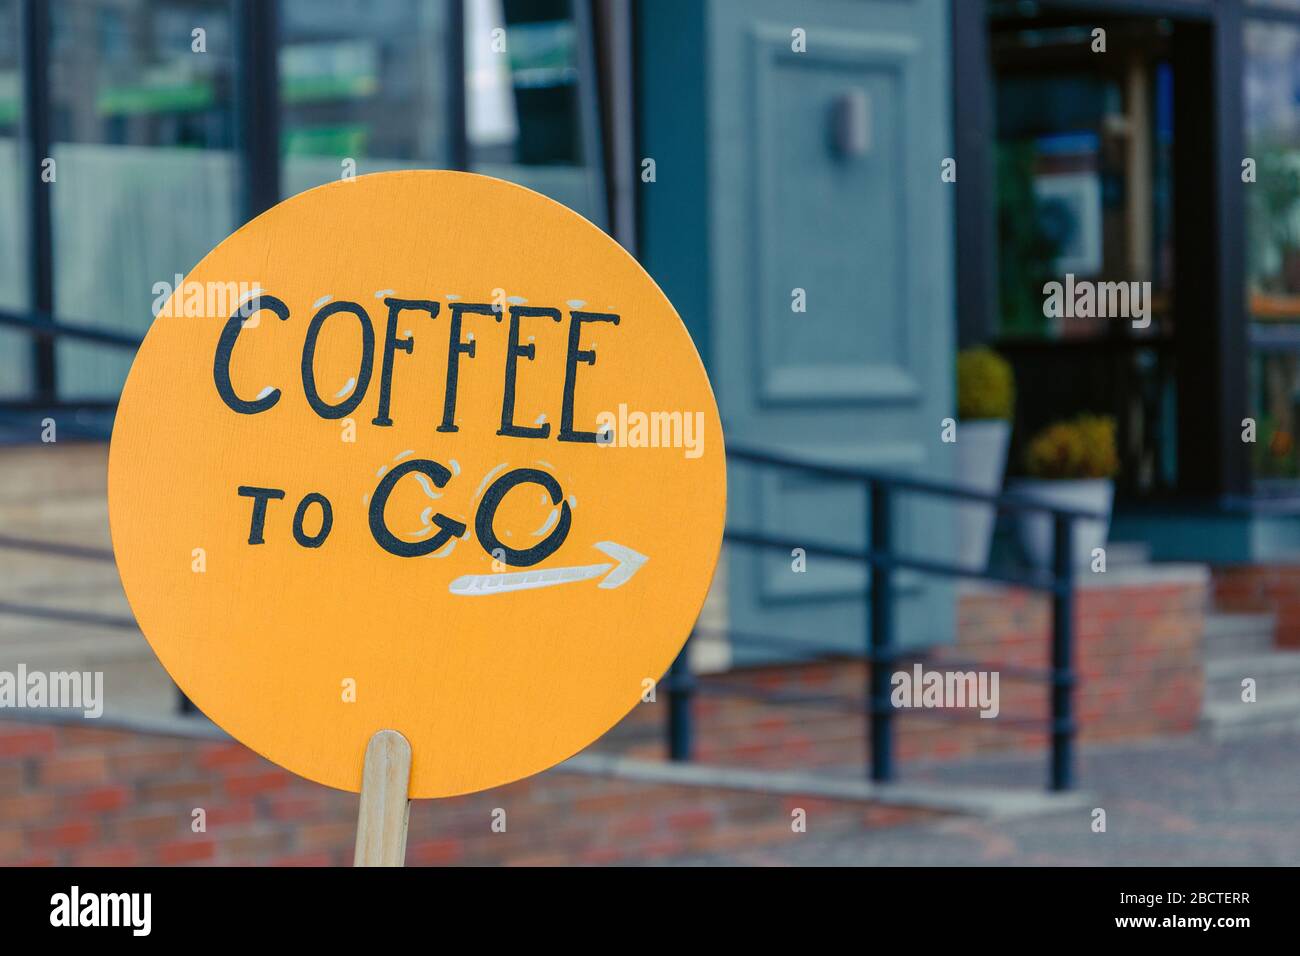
x,y
80,794
1263,587
1138,658
1138,654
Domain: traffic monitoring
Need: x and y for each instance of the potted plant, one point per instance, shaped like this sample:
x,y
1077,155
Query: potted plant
x,y
1277,207
1072,465
985,398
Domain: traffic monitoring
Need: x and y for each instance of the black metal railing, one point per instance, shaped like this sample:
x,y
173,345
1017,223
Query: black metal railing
x,y
42,327
882,560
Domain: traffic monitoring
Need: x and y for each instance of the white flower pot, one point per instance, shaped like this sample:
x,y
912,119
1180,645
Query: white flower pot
x,y
981,458
1085,494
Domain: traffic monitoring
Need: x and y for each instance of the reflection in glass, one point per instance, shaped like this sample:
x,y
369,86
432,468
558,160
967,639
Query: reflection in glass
x,y
142,130
16,379
364,88
1084,172
525,88
1272,93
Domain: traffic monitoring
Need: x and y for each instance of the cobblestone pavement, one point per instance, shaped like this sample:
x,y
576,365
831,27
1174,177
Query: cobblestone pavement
x,y
1176,802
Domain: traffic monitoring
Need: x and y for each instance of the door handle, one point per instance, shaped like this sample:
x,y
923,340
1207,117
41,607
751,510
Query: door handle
x,y
851,116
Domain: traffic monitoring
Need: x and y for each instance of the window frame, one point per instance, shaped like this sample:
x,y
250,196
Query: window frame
x,y
1213,463
258,120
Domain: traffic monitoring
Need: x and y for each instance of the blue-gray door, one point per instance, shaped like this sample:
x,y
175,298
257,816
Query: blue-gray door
x,y
799,220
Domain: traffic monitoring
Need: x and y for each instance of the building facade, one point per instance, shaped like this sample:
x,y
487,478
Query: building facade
x,y
837,195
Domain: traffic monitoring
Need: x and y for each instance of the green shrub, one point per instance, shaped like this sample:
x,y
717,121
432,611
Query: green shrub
x,y
1083,448
1274,454
985,385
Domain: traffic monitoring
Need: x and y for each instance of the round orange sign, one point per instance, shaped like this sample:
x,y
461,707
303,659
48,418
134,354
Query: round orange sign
x,y
420,451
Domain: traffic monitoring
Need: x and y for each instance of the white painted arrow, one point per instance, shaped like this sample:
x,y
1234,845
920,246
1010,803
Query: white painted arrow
x,y
626,563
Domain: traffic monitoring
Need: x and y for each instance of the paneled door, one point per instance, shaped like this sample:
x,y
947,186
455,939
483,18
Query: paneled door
x,y
813,261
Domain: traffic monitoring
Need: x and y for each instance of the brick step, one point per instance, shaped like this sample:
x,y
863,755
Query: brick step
x,y
71,520
71,644
30,628
1236,633
134,682
1127,554
1275,672
102,596
1229,721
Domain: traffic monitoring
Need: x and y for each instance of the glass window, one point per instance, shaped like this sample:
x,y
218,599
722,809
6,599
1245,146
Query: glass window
x,y
364,88
1272,94
526,88
16,380
1084,173
143,128
144,100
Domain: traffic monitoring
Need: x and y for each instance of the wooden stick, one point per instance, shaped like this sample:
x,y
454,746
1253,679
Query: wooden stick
x,y
385,809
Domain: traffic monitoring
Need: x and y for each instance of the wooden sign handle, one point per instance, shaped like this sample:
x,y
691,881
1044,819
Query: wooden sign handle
x,y
385,807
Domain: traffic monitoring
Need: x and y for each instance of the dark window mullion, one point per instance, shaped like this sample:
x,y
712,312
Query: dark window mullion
x,y
590,127
457,118
616,96
36,144
1229,258
257,43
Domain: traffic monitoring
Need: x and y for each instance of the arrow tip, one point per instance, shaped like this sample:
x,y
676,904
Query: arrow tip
x,y
628,563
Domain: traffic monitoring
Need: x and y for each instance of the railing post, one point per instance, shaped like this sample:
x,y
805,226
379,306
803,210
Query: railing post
x,y
880,633
681,686
36,135
1062,774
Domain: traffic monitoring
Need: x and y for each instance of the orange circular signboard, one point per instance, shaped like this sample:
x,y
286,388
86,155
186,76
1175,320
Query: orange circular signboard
x,y
419,451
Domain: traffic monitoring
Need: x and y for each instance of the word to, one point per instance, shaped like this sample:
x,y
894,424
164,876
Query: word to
x,y
448,528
